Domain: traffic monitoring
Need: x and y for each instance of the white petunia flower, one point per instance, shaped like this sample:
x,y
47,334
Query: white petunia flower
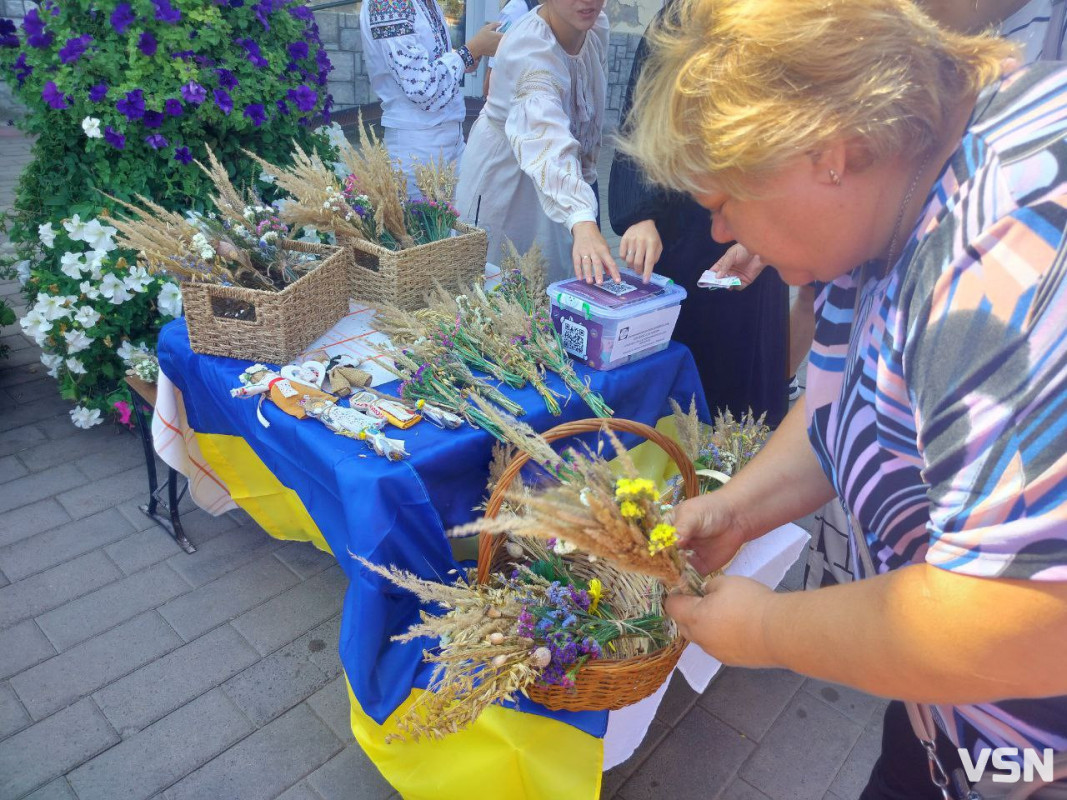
x,y
53,362
91,126
72,265
137,280
22,270
125,350
47,234
52,307
87,316
99,237
77,340
114,289
37,325
75,366
88,288
84,417
170,300
94,260
75,227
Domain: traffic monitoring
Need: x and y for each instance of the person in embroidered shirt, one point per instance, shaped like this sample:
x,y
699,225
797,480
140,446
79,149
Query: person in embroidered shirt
x,y
538,138
826,135
417,76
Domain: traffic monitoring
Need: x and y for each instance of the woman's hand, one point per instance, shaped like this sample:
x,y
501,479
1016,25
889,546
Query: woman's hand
x,y
728,621
739,263
591,254
709,528
641,247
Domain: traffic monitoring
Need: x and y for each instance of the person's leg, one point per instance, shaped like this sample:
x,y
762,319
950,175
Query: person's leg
x,y
902,771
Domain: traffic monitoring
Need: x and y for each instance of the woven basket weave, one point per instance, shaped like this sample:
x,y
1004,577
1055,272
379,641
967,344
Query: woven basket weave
x,y
403,278
278,326
601,684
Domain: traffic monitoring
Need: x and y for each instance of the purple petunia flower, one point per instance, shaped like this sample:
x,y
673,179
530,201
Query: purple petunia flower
x,y
132,105
298,50
55,98
36,36
301,12
194,93
172,107
165,12
21,69
256,113
122,17
252,50
98,92
263,10
183,155
227,80
224,101
282,107
147,44
155,141
303,97
114,138
327,107
73,49
8,33
152,119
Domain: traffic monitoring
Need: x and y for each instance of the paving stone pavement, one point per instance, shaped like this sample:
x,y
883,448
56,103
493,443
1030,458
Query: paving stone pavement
x,y
129,669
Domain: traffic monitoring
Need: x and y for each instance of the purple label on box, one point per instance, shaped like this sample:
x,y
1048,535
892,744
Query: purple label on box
x,y
582,338
611,294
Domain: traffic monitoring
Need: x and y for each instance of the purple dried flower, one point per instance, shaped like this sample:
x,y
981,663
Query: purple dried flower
x,y
227,80
122,17
298,50
183,155
98,92
165,12
147,44
114,138
153,119
256,113
132,105
194,93
223,101
155,141
172,107
304,97
55,98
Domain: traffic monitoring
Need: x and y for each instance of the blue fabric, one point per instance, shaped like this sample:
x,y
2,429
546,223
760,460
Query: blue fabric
x,y
397,512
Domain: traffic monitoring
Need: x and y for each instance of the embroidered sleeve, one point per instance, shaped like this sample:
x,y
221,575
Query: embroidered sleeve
x,y
539,132
391,18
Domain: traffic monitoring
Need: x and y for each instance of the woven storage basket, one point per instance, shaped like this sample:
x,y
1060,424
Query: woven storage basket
x,y
600,684
403,278
277,326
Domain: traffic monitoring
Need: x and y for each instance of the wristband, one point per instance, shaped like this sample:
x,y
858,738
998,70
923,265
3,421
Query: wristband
x,y
465,53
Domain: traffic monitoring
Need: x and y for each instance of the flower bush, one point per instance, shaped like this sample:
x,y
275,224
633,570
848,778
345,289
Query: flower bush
x,y
123,96
93,316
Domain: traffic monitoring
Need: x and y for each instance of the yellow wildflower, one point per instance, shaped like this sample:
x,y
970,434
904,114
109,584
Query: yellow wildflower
x,y
596,591
634,487
661,537
631,510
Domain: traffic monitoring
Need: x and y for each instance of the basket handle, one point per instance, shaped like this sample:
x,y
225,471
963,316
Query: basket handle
x,y
488,544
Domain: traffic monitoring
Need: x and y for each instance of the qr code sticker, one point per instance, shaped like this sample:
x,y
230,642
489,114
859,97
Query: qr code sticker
x,y
575,338
618,288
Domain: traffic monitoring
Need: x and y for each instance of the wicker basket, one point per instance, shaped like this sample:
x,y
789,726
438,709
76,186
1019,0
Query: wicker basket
x,y
403,278
273,327
601,684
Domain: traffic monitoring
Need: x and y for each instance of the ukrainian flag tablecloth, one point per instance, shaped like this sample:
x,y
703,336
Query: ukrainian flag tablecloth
x,y
300,481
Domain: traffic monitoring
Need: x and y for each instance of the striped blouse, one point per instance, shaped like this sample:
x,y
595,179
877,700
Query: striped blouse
x,y
937,395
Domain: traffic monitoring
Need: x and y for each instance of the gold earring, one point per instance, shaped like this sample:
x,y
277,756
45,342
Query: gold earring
x,y
835,178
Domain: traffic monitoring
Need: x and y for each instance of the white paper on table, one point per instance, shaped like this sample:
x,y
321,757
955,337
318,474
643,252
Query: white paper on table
x,y
766,560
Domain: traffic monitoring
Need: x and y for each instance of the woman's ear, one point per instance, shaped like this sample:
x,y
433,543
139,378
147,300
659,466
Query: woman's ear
x,y
829,164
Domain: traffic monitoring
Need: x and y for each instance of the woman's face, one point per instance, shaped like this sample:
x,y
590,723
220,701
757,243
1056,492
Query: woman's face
x,y
578,14
801,222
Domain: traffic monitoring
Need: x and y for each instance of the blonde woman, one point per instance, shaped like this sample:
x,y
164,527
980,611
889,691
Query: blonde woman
x,y
823,135
537,139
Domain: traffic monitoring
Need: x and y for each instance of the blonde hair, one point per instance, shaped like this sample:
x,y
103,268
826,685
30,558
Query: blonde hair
x,y
734,88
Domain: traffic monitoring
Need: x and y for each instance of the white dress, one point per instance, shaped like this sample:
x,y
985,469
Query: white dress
x,y
532,153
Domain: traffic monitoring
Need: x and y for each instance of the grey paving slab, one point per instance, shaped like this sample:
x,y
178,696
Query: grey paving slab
x,y
232,548
142,549
22,646
149,762
615,777
283,618
52,588
19,439
276,683
750,700
11,468
674,770
25,521
221,600
139,699
677,701
89,666
808,733
124,454
299,791
331,705
350,775
52,408
739,790
856,705
264,764
304,558
322,645
32,391
49,453
13,716
105,608
52,747
105,492
58,789
852,777
31,488
52,547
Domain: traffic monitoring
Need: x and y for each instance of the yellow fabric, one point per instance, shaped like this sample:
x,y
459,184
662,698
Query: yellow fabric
x,y
505,755
650,459
254,488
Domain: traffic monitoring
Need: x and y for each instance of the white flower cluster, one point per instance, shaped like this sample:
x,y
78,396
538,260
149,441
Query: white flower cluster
x,y
200,242
83,417
139,360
